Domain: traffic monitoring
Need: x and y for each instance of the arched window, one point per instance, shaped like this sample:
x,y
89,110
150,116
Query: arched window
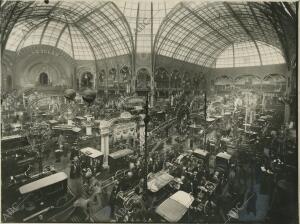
x,y
125,74
9,82
186,81
274,83
175,79
87,80
113,74
248,54
43,79
102,76
161,78
143,79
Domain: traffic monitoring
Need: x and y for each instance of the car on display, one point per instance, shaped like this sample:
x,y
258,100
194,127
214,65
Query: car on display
x,y
42,197
175,207
222,165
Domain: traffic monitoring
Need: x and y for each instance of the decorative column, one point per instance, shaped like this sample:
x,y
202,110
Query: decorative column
x,y
88,126
152,92
104,135
142,133
263,103
188,142
69,114
146,121
172,100
287,108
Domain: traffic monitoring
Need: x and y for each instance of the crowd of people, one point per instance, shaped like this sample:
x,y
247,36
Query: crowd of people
x,y
265,140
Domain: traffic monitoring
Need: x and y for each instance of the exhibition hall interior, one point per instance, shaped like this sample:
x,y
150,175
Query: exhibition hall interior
x,y
149,111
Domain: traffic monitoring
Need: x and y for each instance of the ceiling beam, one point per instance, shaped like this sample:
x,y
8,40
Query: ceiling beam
x,y
212,55
44,30
91,12
205,22
129,33
9,19
53,8
281,39
235,15
91,48
70,36
176,24
28,33
60,34
256,20
188,35
284,38
116,28
189,48
103,36
161,28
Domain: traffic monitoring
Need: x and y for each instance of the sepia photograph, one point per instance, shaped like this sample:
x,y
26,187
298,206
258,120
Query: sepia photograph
x,y
149,111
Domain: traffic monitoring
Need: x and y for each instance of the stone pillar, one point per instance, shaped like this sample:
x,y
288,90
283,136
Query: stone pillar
x,y
69,114
88,126
152,91
263,103
104,135
287,109
188,143
142,134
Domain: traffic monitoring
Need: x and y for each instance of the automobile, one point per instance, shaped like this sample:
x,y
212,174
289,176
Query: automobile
x,y
175,207
45,197
92,158
202,155
158,181
118,160
222,164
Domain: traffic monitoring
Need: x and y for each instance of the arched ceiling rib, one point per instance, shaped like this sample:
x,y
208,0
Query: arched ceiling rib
x,y
199,32
98,24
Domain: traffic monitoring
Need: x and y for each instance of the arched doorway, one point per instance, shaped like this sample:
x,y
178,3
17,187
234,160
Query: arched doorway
x,y
125,78
86,80
8,82
175,79
161,79
143,81
43,79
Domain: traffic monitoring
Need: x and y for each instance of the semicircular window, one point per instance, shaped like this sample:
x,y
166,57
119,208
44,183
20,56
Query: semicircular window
x,y
248,54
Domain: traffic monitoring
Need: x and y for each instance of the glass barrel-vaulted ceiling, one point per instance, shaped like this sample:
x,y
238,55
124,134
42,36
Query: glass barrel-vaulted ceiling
x,y
199,32
203,33
84,29
138,14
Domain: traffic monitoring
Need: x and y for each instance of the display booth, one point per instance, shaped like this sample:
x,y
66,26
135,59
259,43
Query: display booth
x,y
92,158
117,160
